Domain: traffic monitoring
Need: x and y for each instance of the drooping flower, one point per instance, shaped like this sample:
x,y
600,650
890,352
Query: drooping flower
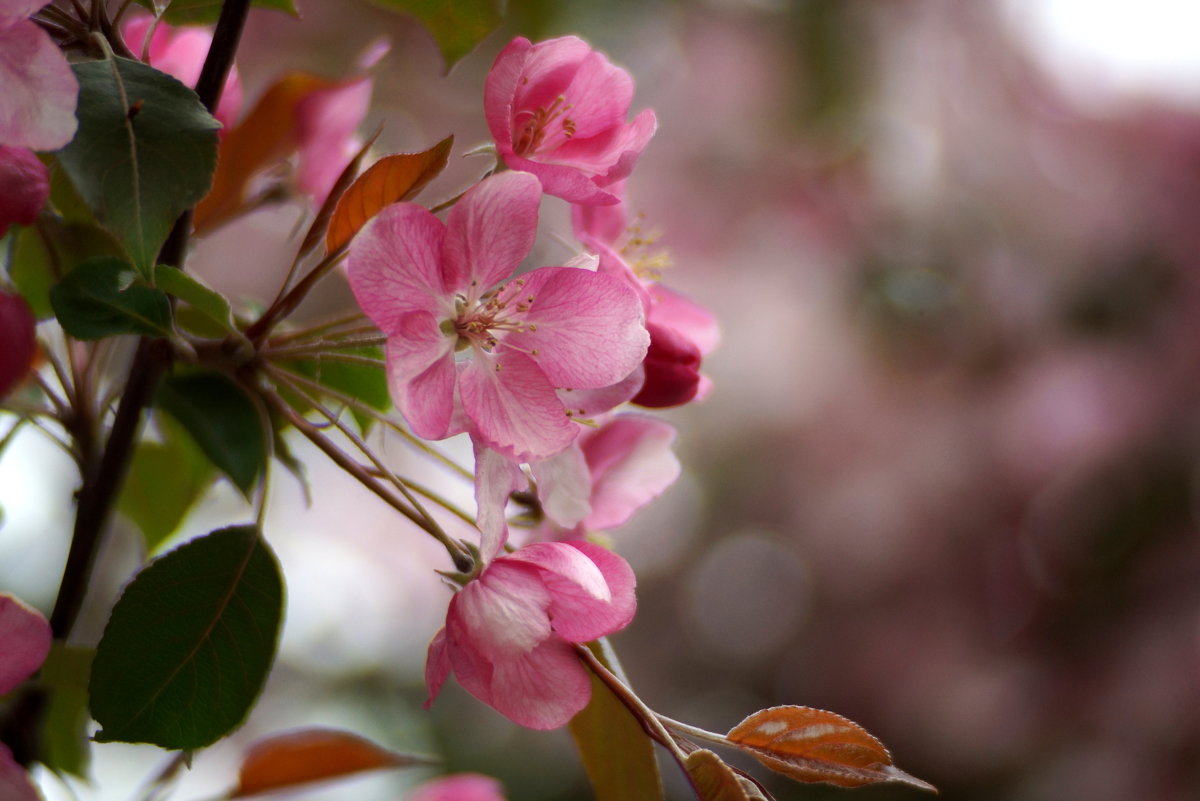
x,y
24,643
681,331
24,186
509,633
18,333
459,787
180,52
464,335
558,109
37,103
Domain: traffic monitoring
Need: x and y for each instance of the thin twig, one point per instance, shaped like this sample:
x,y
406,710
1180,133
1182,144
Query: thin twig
x,y
432,525
321,328
462,561
354,403
324,346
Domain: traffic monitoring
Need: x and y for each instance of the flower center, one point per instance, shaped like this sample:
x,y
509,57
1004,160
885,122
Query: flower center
x,y
497,313
533,125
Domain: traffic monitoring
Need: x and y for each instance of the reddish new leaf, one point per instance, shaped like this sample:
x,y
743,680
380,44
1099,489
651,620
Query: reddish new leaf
x,y
311,755
716,781
812,745
265,136
389,180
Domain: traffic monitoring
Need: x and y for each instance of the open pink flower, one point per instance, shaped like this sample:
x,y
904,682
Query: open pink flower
x,y
509,633
180,52
464,334
24,643
37,102
557,109
459,787
24,186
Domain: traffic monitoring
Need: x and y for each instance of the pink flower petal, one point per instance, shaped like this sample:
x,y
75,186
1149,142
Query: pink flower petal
x,y
490,232
502,614
668,307
15,784
578,610
24,642
37,105
543,689
427,401
500,88
437,665
547,71
395,266
496,477
24,186
564,485
672,369
611,155
631,463
18,332
13,11
599,98
325,124
513,407
567,182
589,327
459,787
604,224
591,402
415,344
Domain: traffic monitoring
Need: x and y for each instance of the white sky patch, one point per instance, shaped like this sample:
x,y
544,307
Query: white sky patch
x,y
1104,50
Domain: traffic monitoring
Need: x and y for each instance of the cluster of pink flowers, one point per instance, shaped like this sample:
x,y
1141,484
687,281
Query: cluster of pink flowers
x,y
531,366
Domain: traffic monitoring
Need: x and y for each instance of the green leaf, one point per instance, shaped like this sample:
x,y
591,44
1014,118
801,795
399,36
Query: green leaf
x,y
205,12
616,753
65,733
456,25
98,299
165,479
51,248
190,643
145,152
192,291
222,419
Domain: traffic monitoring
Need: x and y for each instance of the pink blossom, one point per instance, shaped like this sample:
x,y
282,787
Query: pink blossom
x,y
459,787
18,332
24,642
681,332
14,781
557,109
464,334
607,474
24,186
509,633
37,104
326,121
180,52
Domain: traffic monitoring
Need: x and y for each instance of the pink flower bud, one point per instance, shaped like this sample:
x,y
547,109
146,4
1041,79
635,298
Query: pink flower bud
x,y
24,187
18,344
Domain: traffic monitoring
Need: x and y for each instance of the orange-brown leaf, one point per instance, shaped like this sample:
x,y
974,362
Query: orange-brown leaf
x,y
812,745
716,781
389,180
265,135
311,755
